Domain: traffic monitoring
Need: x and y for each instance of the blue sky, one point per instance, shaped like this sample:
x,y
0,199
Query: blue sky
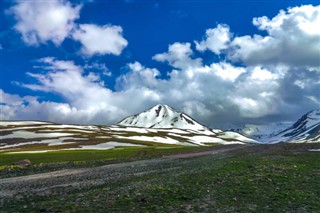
x,y
222,62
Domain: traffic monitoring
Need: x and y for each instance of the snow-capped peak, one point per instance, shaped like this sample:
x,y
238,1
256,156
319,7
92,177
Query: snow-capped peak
x,y
307,128
162,116
307,122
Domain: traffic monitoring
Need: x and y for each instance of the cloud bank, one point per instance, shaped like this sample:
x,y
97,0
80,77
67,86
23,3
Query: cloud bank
x,y
278,77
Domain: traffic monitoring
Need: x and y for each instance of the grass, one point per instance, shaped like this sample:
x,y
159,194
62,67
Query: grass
x,y
266,178
93,155
50,161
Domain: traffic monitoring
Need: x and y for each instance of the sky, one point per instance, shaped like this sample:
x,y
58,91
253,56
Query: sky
x,y
222,62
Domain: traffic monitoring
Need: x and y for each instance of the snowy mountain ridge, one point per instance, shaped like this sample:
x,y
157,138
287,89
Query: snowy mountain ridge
x,y
159,126
163,116
262,132
306,129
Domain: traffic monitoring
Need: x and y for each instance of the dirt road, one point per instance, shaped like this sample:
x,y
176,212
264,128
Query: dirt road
x,y
211,152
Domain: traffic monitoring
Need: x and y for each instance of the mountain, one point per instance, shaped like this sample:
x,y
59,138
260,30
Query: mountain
x,y
178,125
164,117
262,132
306,129
159,126
34,136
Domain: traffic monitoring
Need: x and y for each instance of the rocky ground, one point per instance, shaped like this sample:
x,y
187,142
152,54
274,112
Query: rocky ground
x,y
66,179
224,180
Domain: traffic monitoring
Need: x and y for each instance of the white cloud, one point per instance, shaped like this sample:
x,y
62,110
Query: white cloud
x,y
256,98
179,56
227,71
261,74
11,104
100,40
7,98
293,38
314,99
207,94
54,20
216,39
40,22
100,67
67,79
85,98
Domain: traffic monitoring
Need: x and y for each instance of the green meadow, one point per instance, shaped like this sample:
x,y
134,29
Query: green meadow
x,y
260,178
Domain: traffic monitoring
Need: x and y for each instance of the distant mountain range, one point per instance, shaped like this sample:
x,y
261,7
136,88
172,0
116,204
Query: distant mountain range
x,y
160,125
306,129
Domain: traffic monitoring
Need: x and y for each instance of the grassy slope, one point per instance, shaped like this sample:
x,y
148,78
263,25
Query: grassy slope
x,y
270,178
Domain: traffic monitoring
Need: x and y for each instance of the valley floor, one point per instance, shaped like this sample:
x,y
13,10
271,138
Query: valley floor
x,y
263,178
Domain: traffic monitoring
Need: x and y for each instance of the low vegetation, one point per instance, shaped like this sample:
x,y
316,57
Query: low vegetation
x,y
51,161
261,178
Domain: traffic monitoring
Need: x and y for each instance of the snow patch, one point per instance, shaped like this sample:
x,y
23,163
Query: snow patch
x,y
50,142
31,152
201,140
130,129
235,136
157,139
108,145
21,123
103,137
26,135
314,150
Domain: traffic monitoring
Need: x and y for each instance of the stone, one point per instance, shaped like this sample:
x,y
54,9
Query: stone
x,y
24,162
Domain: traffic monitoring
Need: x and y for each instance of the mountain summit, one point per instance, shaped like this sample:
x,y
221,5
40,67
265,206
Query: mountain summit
x,y
162,116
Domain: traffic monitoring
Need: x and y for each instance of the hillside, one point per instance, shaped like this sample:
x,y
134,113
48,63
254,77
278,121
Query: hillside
x,y
158,126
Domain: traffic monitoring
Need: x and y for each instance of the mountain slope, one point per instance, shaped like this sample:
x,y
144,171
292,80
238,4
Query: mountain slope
x,y
262,132
17,136
162,116
158,126
178,124
307,129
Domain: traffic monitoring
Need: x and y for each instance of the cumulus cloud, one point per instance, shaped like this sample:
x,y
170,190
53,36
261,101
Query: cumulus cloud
x,y
227,71
54,20
216,39
293,37
85,98
40,22
210,97
138,75
179,56
100,40
258,94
